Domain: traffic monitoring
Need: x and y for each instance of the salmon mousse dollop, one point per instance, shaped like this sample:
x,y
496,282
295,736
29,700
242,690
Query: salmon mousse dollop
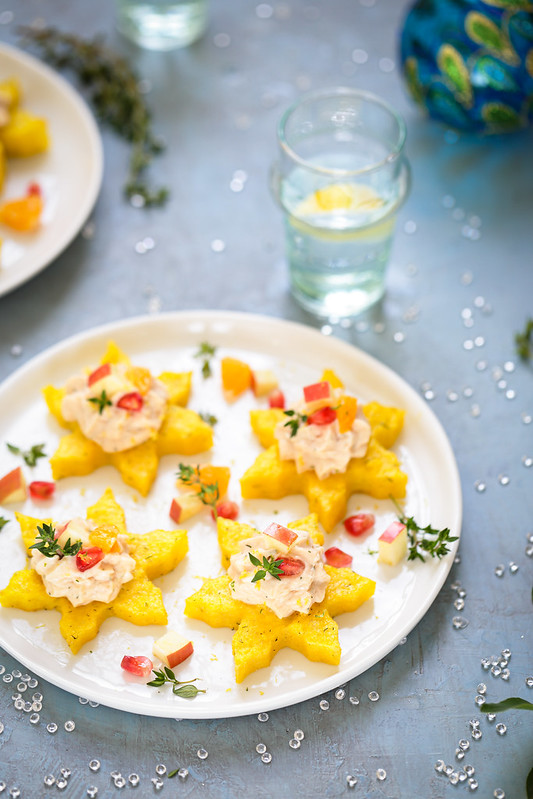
x,y
281,569
322,432
118,406
82,562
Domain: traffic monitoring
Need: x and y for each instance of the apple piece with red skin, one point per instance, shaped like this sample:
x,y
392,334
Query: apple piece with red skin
x,y
264,382
283,538
102,371
13,486
317,391
172,649
184,507
393,544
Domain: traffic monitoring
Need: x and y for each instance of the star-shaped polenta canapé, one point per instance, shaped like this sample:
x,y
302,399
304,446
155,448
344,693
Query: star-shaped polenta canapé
x,y
139,600
378,473
182,432
259,633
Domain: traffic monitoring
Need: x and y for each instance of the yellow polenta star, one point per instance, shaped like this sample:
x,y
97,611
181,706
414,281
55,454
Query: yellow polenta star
x,y
377,474
259,633
139,600
182,432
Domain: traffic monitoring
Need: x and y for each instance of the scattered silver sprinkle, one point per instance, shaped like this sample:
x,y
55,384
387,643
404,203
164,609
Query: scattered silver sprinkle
x,y
323,704
326,330
264,11
346,324
475,410
457,559
299,735
410,227
476,734
479,341
16,350
481,366
468,322
351,781
468,344
452,396
94,765
509,366
262,717
386,65
51,727
513,567
503,479
7,678
119,781
69,725
469,770
429,395
459,754
6,17
448,201
354,700
221,40
49,780
399,337
498,793
491,717
34,718
454,778
439,766
161,769
14,793
218,245
448,770
459,622
157,783
340,693
527,460
92,791
154,306
260,749
466,277
402,641
510,394
82,700
33,683
294,744
482,688
373,696
134,780
501,728
529,681
459,604
359,56
479,700
473,784
236,185
464,745
183,773
526,418
468,392
137,201
411,314
480,486
381,774
18,704
361,326
21,686
2,669
495,671
474,724
505,674
115,774
499,570
88,231
502,663
61,783
266,758
202,754
458,214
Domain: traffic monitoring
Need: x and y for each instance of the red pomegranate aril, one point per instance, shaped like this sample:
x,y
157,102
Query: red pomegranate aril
x,y
336,557
290,567
276,399
359,523
139,665
227,509
41,489
323,416
131,402
89,557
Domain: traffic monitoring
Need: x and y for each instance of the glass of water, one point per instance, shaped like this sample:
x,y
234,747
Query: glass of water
x,y
162,24
340,178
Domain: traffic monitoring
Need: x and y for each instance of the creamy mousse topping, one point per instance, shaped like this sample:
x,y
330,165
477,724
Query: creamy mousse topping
x,y
117,406
293,580
92,574
312,436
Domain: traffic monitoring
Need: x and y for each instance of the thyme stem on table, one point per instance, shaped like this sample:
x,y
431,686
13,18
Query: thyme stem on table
x,y
113,89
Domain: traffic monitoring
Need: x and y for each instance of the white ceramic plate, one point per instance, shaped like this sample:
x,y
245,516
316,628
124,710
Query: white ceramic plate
x,y
69,173
298,355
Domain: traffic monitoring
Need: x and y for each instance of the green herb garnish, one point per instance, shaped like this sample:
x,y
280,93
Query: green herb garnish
x,y
206,352
30,456
524,342
3,522
425,540
268,566
295,421
512,703
116,94
184,688
173,772
102,401
208,418
46,543
208,493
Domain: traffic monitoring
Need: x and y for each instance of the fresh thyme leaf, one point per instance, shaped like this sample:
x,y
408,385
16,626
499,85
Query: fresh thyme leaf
x,y
208,493
30,456
102,401
3,522
46,543
425,540
184,688
524,341
205,351
174,771
269,565
372,551
295,421
208,418
114,90
512,703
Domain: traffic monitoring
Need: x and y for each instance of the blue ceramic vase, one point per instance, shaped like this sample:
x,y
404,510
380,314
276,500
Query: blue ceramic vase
x,y
469,63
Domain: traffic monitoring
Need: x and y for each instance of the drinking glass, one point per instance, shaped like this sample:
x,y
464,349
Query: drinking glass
x,y
340,178
162,24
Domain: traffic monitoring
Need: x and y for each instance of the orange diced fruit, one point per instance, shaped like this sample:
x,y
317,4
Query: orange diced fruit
x,y
209,475
23,215
140,377
346,413
172,649
105,537
264,381
236,378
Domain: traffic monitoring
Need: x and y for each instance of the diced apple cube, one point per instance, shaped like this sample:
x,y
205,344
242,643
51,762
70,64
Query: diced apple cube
x,y
184,507
393,544
172,649
264,381
317,391
13,486
280,537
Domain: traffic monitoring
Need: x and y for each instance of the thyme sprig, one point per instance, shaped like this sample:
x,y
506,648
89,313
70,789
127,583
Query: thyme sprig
x,y
524,341
208,493
205,351
269,565
46,543
3,522
184,688
113,89
30,456
102,400
296,419
208,418
426,540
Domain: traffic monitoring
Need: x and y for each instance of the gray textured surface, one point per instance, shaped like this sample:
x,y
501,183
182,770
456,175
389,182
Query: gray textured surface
x,y
217,108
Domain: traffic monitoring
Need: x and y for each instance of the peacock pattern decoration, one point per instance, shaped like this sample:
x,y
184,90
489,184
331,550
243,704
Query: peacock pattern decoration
x,y
469,63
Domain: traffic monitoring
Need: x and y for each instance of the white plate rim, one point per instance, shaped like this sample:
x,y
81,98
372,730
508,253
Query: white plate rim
x,y
15,277
212,320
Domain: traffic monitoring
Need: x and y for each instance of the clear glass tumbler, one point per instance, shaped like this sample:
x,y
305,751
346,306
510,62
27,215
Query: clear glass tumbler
x,y
340,178
162,24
